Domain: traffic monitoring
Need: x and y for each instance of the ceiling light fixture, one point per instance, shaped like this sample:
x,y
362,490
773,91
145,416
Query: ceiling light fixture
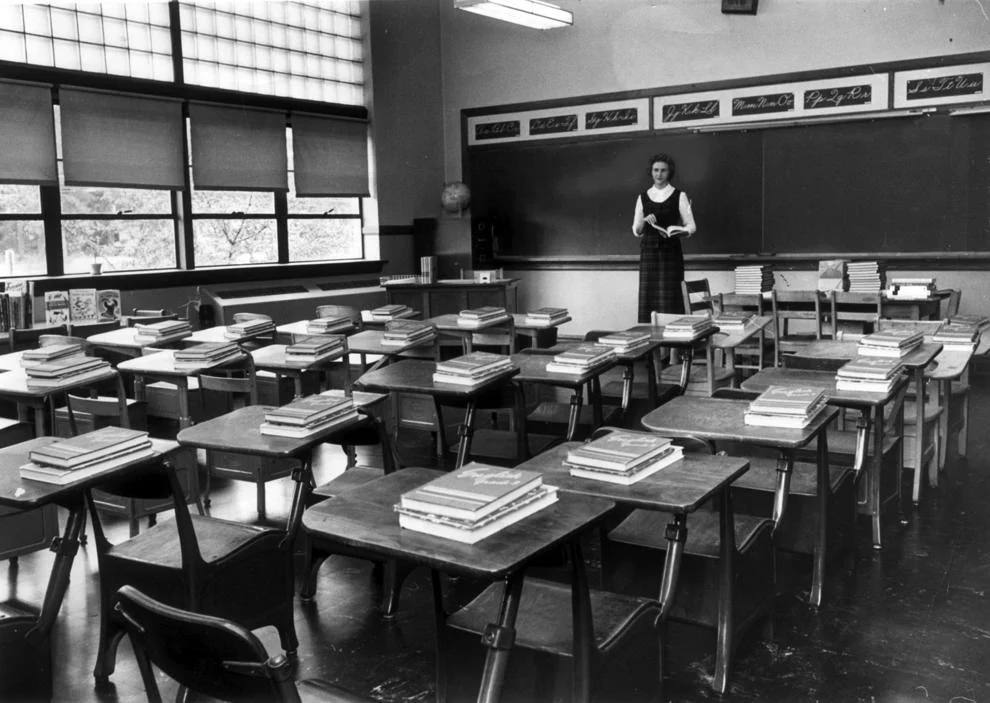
x,y
529,13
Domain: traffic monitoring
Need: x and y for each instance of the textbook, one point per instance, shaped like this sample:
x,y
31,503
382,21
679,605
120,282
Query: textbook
x,y
308,410
584,356
732,319
474,364
671,231
547,313
98,444
66,366
403,332
481,317
618,451
688,327
41,355
789,400
671,455
472,491
51,474
625,342
281,429
322,325
832,275
873,367
165,328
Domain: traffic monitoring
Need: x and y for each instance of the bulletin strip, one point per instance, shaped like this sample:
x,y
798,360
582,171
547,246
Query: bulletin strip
x,y
835,96
549,123
946,85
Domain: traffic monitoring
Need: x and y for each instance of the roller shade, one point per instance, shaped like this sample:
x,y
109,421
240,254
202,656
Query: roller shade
x,y
113,139
27,133
331,156
238,148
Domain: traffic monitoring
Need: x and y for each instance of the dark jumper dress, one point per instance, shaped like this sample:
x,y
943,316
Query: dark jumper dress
x,y
661,261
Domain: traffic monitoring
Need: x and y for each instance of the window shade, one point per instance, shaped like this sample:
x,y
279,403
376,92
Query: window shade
x,y
110,139
238,149
331,156
27,133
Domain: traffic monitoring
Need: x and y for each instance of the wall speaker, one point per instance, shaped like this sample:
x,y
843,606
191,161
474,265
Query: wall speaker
x,y
739,7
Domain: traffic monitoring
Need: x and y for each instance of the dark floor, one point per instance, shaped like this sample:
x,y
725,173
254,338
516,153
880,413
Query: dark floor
x,y
909,623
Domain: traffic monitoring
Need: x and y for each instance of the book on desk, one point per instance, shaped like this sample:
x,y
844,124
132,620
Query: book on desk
x,y
581,358
688,327
890,343
471,369
72,369
86,455
786,407
622,457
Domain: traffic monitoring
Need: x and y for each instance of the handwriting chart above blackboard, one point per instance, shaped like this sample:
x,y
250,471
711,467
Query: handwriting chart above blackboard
x,y
909,184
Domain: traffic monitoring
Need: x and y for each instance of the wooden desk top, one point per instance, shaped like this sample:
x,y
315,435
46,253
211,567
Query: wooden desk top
x,y
363,517
722,419
656,334
730,339
299,328
13,384
369,321
533,369
161,363
765,378
834,349
370,342
272,357
218,333
950,364
678,488
127,339
416,376
519,319
448,323
16,492
11,361
238,431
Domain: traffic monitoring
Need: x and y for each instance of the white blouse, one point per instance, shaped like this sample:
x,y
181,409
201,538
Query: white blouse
x,y
659,195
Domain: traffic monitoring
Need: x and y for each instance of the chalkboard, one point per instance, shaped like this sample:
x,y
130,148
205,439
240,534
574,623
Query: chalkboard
x,y
909,184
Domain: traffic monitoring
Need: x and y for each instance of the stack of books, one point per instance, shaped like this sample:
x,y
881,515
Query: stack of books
x,y
910,288
73,369
473,502
890,343
471,369
785,406
688,327
546,316
872,374
391,312
481,317
401,333
865,276
754,279
310,349
86,455
956,335
622,457
626,342
308,416
205,354
581,358
167,329
980,322
832,275
327,325
249,328
43,355
732,320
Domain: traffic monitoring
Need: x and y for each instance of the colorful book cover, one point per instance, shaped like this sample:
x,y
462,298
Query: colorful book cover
x,y
82,305
56,307
108,304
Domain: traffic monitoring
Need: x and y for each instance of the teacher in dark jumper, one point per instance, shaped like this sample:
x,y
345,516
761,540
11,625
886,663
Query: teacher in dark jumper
x,y
662,218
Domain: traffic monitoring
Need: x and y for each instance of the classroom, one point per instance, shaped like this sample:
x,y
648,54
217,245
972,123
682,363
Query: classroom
x,y
405,350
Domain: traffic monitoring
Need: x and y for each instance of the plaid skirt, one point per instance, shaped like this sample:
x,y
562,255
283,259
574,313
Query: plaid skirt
x,y
661,270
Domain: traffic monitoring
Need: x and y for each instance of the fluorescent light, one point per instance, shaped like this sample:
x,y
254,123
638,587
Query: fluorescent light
x,y
797,122
529,13
975,110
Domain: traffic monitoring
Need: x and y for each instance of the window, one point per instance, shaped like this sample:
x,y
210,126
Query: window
x,y
234,227
22,232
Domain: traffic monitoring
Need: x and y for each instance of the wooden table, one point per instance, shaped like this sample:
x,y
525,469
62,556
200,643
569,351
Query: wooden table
x,y
300,328
872,407
687,347
915,308
11,361
363,518
729,339
369,321
14,386
368,342
539,335
127,342
273,358
679,489
447,326
416,376
915,362
720,419
218,334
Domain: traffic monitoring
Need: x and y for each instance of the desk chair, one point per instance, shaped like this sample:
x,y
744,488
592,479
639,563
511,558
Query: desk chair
x,y
756,352
50,340
210,655
149,317
348,311
854,312
261,340
20,340
697,296
803,306
698,378
86,329
613,384
200,563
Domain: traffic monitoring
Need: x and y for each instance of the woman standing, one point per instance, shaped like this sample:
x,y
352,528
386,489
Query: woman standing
x,y
663,216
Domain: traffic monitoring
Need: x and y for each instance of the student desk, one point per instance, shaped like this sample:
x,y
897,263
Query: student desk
x,y
11,361
299,329
21,494
160,366
416,376
447,325
686,346
729,339
451,294
272,358
218,334
14,387
127,342
363,518
720,419
872,407
369,321
914,362
368,342
679,489
539,335
952,364
915,308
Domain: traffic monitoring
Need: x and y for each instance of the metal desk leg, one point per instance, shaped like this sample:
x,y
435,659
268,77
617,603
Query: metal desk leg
x,y
499,639
676,536
727,556
874,477
65,548
466,430
595,391
575,414
821,538
583,628
919,432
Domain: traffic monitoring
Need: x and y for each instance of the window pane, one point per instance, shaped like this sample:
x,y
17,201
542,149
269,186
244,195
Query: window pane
x,y
12,46
120,245
20,200
23,245
228,202
234,241
311,240
115,201
321,206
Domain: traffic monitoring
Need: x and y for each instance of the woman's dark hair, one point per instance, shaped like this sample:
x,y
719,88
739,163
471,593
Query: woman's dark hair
x,y
667,159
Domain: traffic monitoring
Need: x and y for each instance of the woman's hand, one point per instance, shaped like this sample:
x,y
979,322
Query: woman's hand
x,y
651,219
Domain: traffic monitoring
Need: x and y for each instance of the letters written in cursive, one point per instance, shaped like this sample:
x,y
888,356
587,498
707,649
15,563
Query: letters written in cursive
x,y
553,125
684,112
496,130
944,86
763,104
838,97
611,118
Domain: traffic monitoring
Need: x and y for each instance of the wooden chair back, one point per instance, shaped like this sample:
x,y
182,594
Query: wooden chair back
x,y
50,340
237,381
952,303
697,296
19,340
348,311
114,408
856,312
149,317
927,327
796,305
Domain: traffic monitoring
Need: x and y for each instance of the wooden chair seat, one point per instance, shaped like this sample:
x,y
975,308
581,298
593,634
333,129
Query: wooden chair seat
x,y
217,539
499,446
698,377
842,446
551,418
352,478
544,622
646,528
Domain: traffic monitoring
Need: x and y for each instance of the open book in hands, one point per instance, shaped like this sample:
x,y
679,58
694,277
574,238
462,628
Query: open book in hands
x,y
672,231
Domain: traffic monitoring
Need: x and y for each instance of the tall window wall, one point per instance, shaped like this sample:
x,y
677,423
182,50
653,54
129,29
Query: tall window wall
x,y
178,168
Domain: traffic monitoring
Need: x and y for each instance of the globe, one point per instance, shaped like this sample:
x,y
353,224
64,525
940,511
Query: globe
x,y
455,197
